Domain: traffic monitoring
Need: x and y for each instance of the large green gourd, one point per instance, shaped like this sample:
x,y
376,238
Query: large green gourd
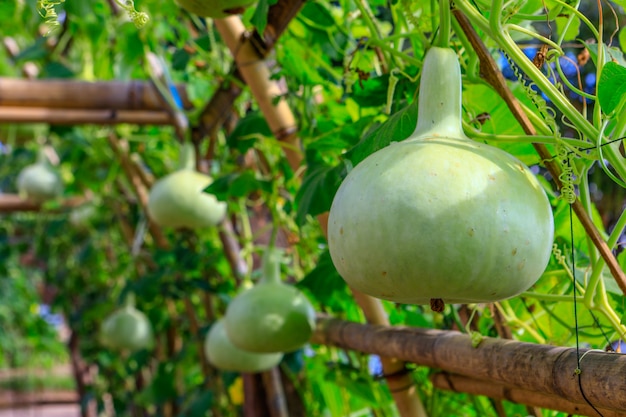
x,y
222,354
216,9
178,200
271,316
39,181
439,216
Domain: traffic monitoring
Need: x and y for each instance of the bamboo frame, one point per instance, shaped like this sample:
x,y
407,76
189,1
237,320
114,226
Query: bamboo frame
x,y
62,116
10,203
72,94
460,383
549,370
282,122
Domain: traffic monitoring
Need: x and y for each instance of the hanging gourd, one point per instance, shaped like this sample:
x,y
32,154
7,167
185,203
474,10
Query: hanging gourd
x,y
39,181
216,9
222,354
271,316
127,329
438,217
178,199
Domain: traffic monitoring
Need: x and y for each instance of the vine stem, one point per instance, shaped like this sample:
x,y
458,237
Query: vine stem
x,y
367,16
444,24
493,76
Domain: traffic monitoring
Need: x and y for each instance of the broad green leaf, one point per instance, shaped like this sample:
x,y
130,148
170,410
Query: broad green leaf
x,y
611,53
612,86
259,18
317,191
397,128
248,131
237,185
323,282
572,30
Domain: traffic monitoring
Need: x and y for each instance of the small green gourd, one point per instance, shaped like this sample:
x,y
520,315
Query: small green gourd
x,y
271,316
39,181
127,329
438,217
222,354
178,199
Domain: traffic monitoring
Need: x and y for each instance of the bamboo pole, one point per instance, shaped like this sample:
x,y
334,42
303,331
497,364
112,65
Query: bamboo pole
x,y
282,122
460,383
63,116
72,94
12,203
542,368
257,76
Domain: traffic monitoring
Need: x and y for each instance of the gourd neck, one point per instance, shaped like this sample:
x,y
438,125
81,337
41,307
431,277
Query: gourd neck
x,y
42,157
129,301
440,96
271,266
187,157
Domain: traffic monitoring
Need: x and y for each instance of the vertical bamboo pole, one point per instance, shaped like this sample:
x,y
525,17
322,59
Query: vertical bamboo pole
x,y
283,124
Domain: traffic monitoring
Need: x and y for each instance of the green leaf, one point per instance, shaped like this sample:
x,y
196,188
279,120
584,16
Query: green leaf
x,y
317,191
610,53
612,86
259,18
248,131
397,128
323,282
237,185
572,30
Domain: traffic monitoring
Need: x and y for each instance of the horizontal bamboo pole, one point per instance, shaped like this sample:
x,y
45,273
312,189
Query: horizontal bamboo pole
x,y
527,366
65,116
72,94
10,203
14,399
460,383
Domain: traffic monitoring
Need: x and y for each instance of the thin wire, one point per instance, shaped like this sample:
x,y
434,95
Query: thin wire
x,y
577,371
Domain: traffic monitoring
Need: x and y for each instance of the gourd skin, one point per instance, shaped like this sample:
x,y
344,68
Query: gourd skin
x,y
270,317
127,329
178,200
439,216
216,9
39,182
227,357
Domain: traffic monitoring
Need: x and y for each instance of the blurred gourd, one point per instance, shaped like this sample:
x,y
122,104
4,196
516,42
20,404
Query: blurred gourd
x,y
127,329
39,181
178,199
222,354
271,316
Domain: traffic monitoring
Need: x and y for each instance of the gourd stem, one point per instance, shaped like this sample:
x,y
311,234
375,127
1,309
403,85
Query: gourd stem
x,y
42,158
129,300
439,112
271,266
187,157
444,24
